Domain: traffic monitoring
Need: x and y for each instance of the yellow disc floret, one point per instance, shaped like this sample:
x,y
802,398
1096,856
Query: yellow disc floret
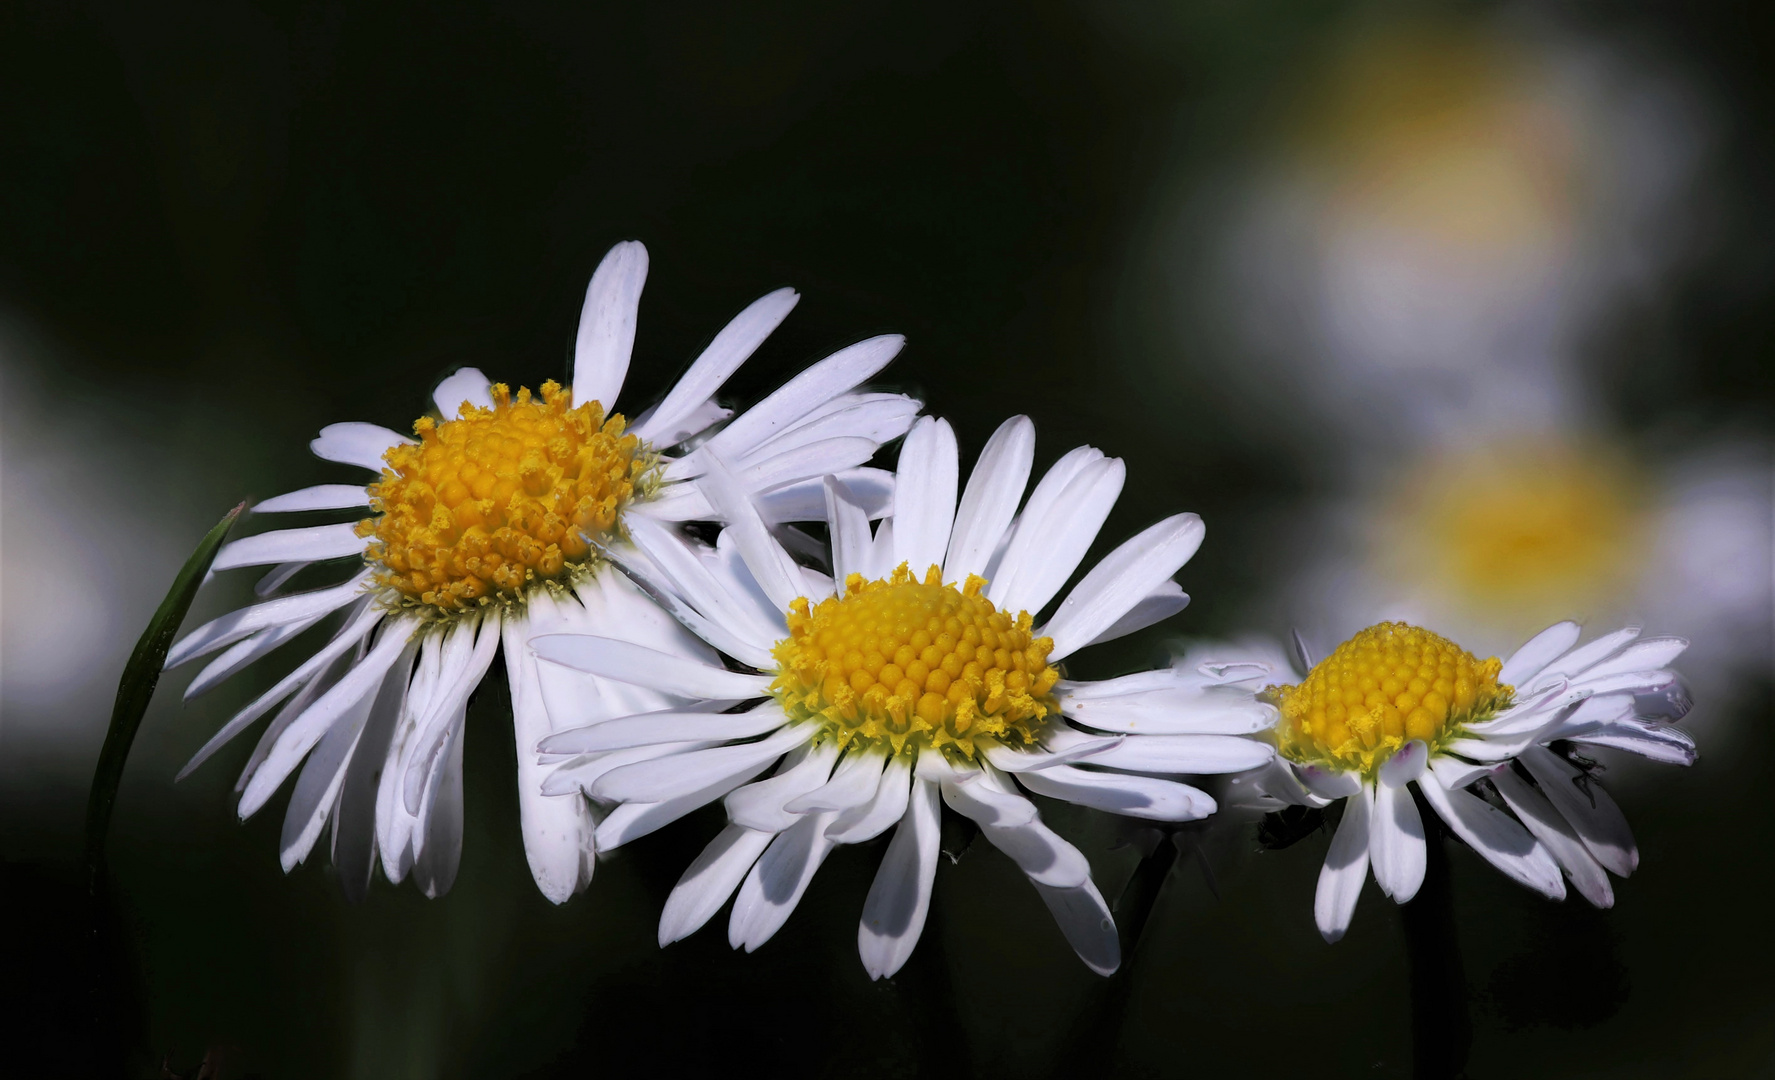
x,y
1389,684
902,660
497,500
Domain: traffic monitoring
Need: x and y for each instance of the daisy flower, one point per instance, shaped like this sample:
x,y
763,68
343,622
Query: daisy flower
x,y
488,528
1491,745
915,676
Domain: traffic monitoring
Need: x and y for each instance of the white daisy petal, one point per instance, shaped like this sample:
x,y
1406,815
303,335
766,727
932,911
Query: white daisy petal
x,y
1589,655
875,418
1345,869
994,490
1396,841
319,497
849,525
1198,754
469,649
651,668
557,831
1120,793
854,783
800,462
355,816
466,387
646,729
681,774
772,568
633,820
347,638
607,325
440,820
1657,742
1062,746
709,881
359,683
1022,542
1632,682
1124,577
760,805
1326,783
1040,853
1405,765
791,403
1583,802
356,443
868,820
728,613
1084,918
1646,654
1540,651
924,495
777,882
1052,536
1162,603
873,490
1455,773
1498,838
1556,834
290,545
242,653
734,345
275,578
984,803
582,773
317,786
900,896
1169,711
229,628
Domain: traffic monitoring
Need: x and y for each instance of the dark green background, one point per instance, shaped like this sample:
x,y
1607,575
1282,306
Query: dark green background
x,y
225,225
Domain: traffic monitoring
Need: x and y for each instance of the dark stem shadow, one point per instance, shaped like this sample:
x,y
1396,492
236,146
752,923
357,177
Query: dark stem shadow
x,y
1441,1027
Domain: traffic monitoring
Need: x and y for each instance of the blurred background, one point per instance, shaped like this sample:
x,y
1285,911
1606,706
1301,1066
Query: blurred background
x,y
1453,312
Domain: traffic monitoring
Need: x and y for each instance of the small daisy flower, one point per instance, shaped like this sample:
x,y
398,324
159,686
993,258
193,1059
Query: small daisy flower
x,y
1490,745
878,695
485,529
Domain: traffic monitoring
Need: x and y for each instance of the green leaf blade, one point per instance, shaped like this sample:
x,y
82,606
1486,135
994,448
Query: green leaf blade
x,y
140,676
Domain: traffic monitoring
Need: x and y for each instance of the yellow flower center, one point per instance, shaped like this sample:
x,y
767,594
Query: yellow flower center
x,y
900,659
1389,684
1518,535
497,500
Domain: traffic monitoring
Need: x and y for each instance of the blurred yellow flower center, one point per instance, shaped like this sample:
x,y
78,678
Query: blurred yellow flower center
x,y
1389,684
902,659
1520,535
499,499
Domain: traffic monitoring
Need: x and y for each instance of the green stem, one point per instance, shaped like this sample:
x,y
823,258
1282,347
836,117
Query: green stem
x,y
1441,1030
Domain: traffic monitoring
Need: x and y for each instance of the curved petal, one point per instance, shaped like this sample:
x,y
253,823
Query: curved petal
x,y
1539,652
990,502
607,325
466,387
319,497
737,341
900,896
1497,837
1345,869
356,443
1126,576
1396,842
709,881
924,495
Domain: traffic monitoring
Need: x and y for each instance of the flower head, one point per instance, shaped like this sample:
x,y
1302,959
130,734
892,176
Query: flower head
x,y
1485,742
492,525
917,675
